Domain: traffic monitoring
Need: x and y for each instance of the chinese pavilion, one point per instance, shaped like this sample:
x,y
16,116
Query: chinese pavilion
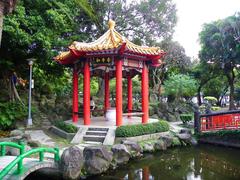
x,y
112,55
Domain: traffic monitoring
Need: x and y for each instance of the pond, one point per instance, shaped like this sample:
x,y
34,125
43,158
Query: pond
x,y
204,162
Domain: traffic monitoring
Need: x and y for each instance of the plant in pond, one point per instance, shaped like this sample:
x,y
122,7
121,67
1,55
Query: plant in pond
x,y
69,128
10,113
141,129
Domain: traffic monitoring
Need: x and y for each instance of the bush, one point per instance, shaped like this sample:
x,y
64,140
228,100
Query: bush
x,y
215,108
10,113
69,128
232,134
186,117
141,129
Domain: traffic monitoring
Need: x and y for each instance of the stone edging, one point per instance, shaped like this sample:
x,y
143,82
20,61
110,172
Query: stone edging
x,y
61,133
141,138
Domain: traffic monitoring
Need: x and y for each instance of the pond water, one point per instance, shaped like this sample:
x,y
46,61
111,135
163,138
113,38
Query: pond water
x,y
204,162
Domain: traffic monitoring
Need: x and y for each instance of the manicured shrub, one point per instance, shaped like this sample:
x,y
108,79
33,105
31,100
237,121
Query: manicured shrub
x,y
234,134
186,117
69,128
141,129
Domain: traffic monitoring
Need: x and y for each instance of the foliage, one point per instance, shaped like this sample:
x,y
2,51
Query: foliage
x,y
220,46
179,85
215,108
175,61
212,100
141,129
69,128
10,113
147,21
186,118
235,134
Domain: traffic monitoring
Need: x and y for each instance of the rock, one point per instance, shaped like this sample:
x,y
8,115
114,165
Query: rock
x,y
155,116
71,163
194,141
17,139
133,147
16,132
34,144
97,159
185,131
148,147
167,139
187,139
160,145
120,154
15,151
26,137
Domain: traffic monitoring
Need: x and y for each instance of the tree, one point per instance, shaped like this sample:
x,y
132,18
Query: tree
x,y
6,7
219,44
180,86
204,73
175,61
143,21
40,29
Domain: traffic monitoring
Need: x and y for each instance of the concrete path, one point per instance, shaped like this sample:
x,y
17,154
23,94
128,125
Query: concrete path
x,y
39,135
175,126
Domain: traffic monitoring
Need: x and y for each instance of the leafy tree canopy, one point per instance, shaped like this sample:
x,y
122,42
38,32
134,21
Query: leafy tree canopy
x,y
180,85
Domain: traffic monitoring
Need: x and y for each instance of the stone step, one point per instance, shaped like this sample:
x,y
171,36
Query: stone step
x,y
97,133
97,129
91,143
93,138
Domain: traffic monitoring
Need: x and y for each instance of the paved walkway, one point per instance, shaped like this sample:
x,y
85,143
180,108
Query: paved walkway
x,y
40,136
175,126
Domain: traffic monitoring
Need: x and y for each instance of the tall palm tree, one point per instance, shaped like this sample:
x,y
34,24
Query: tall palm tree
x,y
6,7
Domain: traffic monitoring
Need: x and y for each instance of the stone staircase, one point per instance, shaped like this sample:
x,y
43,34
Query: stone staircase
x,y
95,135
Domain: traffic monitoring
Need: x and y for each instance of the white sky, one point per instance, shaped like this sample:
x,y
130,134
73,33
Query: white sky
x,y
192,14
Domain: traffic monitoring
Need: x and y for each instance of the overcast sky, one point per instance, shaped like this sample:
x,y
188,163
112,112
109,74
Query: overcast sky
x,y
193,13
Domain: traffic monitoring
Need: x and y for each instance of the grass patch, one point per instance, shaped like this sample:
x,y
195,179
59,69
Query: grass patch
x,y
69,128
142,129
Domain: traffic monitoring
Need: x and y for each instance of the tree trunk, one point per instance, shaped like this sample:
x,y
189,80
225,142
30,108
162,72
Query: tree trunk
x,y
199,96
1,19
231,96
231,77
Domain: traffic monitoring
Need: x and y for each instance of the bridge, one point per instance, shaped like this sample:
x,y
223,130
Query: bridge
x,y
19,167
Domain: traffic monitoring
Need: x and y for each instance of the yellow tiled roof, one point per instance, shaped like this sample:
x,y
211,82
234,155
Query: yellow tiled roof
x,y
110,40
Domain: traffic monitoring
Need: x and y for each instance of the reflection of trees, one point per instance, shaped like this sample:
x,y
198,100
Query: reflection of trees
x,y
203,162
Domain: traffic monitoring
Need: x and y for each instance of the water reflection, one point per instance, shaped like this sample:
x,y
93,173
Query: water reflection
x,y
199,163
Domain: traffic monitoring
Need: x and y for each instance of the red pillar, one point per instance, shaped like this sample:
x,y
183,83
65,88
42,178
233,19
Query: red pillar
x,y
107,91
118,92
145,94
75,96
129,80
86,94
145,173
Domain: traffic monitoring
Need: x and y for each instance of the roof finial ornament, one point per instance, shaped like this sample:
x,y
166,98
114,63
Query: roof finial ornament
x,y
111,24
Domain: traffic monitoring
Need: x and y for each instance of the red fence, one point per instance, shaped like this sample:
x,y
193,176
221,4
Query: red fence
x,y
220,121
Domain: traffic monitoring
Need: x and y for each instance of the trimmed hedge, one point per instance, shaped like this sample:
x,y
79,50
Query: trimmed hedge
x,y
222,133
69,128
186,117
142,129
